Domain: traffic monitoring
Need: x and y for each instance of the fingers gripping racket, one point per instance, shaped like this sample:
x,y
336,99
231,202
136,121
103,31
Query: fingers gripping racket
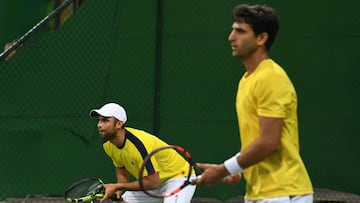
x,y
189,180
85,190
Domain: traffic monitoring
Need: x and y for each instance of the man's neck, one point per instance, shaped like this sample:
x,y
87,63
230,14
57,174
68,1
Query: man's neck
x,y
119,139
254,60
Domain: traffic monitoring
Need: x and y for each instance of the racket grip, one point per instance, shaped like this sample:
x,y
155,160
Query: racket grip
x,y
193,179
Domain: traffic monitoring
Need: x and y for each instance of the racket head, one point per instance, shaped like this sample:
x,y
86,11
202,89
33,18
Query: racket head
x,y
84,190
188,181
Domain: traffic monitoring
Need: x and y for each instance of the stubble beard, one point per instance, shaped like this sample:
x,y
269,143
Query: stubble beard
x,y
109,136
245,51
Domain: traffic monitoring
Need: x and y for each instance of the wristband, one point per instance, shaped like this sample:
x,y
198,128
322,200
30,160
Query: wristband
x,y
232,165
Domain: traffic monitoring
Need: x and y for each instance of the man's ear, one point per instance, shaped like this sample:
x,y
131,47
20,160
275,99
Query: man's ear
x,y
262,38
120,124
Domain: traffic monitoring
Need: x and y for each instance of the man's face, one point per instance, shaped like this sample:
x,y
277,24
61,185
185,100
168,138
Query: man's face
x,y
107,127
242,40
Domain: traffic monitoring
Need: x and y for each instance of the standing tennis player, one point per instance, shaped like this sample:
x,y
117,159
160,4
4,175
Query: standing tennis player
x,y
127,147
266,105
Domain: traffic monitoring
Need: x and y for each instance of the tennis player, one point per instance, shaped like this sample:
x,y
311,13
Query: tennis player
x,y
266,105
127,147
8,46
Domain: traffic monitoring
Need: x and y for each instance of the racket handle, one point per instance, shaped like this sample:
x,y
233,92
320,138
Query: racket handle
x,y
193,179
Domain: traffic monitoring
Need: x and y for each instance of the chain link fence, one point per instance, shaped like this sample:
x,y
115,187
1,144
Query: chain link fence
x,y
169,64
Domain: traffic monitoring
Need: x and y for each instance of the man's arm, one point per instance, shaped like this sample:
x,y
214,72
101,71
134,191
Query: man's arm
x,y
150,182
268,142
122,176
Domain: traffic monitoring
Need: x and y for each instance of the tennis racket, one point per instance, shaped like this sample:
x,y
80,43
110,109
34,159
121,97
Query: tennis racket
x,y
34,29
189,178
87,189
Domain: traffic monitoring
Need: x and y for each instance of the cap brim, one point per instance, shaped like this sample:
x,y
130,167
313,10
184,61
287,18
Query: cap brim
x,y
98,112
94,113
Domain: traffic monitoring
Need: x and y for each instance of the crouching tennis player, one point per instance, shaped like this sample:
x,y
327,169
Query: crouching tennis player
x,y
127,148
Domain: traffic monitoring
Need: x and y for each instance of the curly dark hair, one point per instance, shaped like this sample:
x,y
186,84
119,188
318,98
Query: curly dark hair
x,y
261,18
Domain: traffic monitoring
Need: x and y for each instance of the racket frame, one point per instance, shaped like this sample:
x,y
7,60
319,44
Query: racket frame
x,y
98,193
187,156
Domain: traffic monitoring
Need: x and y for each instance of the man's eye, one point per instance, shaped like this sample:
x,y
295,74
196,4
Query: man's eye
x,y
240,30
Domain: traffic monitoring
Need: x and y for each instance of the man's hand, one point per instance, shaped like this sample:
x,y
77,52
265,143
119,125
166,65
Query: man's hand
x,y
212,173
117,195
110,190
232,179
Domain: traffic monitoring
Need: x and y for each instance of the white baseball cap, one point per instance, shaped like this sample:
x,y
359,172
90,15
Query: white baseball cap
x,y
110,110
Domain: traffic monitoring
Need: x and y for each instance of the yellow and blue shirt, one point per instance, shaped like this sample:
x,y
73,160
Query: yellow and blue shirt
x,y
268,92
137,145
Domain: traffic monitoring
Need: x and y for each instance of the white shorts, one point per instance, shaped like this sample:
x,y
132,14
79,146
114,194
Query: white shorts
x,y
184,196
286,199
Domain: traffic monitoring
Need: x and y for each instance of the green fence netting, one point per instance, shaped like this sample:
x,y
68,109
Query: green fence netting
x,y
169,64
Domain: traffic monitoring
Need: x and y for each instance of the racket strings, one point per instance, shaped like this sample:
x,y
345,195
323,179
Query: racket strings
x,y
86,188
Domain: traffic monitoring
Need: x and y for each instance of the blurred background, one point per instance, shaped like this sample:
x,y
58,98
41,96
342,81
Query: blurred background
x,y
169,64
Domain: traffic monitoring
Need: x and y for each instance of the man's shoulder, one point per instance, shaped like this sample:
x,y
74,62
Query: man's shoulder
x,y
139,134
136,131
270,69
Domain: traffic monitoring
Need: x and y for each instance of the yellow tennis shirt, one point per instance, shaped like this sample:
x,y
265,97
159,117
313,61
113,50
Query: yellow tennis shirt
x,y
269,92
138,143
